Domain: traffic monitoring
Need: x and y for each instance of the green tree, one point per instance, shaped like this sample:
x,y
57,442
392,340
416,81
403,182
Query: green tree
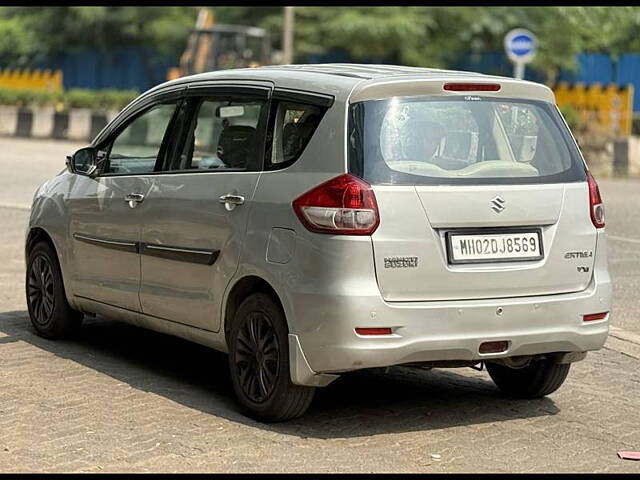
x,y
56,29
17,43
419,36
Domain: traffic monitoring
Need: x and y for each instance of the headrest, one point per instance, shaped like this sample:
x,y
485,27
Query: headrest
x,y
422,139
234,144
237,133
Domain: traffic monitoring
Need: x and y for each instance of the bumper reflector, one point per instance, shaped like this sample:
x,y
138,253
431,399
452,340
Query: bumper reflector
x,y
494,347
594,316
373,331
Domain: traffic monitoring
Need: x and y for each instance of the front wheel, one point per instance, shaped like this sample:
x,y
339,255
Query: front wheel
x,y
259,362
49,311
539,378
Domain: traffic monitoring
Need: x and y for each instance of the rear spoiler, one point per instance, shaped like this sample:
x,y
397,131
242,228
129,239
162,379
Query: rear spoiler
x,y
404,87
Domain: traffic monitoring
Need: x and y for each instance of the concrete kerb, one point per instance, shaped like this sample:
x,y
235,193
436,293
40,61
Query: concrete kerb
x,y
8,120
80,124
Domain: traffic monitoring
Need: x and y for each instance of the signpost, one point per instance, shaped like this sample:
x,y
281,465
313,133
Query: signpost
x,y
520,46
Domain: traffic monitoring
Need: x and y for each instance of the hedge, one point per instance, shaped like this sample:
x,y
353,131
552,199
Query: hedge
x,y
572,117
73,98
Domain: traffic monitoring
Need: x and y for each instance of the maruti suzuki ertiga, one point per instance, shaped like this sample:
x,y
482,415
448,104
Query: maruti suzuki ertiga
x,y
312,220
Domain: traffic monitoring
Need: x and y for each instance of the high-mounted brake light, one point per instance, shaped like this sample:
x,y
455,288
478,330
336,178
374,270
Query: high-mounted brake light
x,y
344,205
596,207
472,87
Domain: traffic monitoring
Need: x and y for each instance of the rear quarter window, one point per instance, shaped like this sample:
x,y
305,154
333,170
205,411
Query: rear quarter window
x,y
292,126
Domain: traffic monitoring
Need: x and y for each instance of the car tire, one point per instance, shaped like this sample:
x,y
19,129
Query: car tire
x,y
259,362
50,313
539,378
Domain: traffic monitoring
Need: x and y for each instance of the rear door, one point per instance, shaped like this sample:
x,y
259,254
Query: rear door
x,y
479,197
197,213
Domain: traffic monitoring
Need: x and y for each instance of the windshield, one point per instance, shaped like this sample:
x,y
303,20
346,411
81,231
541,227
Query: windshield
x,y
470,139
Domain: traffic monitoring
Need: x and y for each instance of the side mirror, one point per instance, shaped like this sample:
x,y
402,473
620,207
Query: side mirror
x,y
83,162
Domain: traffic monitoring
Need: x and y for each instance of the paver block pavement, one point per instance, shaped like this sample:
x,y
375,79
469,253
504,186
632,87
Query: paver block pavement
x,y
118,398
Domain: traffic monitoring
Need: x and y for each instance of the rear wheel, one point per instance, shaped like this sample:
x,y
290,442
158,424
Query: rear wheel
x,y
539,378
259,362
49,311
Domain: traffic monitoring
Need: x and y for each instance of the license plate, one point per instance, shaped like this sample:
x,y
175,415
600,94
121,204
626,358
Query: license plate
x,y
486,247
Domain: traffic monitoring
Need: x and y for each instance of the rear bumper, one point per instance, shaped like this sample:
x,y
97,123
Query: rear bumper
x,y
434,331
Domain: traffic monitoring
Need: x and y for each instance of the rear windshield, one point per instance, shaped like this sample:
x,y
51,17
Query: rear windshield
x,y
460,140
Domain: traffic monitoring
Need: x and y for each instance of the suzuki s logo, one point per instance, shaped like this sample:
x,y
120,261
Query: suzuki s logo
x,y
498,204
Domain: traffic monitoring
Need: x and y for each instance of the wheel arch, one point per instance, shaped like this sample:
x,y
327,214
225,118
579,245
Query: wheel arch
x,y
35,235
240,290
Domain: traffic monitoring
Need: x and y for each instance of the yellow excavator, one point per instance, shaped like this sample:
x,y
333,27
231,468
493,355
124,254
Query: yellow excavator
x,y
216,47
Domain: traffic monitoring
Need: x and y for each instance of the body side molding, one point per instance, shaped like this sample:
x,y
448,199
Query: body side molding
x,y
169,252
122,245
181,254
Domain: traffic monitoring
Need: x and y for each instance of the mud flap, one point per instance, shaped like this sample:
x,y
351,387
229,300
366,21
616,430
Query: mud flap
x,y
301,373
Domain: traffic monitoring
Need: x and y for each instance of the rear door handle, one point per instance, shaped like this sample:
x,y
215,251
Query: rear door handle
x,y
133,199
230,201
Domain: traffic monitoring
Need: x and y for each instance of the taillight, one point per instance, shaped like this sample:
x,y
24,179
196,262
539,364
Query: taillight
x,y
344,205
472,87
596,207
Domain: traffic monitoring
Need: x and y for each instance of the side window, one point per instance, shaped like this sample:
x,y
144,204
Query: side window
x,y
224,135
136,148
294,125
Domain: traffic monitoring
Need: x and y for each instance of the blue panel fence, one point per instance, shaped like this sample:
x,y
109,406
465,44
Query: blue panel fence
x,y
135,68
141,68
592,68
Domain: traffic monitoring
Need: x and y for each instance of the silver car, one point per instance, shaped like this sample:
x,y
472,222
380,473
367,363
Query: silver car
x,y
312,220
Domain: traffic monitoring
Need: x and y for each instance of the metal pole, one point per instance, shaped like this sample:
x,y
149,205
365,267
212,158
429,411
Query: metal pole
x,y
287,36
518,70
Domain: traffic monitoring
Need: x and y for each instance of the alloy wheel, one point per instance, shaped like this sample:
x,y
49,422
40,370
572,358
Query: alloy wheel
x,y
41,290
257,357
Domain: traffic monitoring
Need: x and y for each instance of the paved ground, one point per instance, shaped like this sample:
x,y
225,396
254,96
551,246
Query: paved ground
x,y
122,399
622,206
26,163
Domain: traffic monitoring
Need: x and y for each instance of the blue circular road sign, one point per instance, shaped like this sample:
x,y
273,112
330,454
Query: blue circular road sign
x,y
520,45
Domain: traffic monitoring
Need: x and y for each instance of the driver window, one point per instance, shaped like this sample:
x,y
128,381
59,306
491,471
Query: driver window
x,y
135,150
